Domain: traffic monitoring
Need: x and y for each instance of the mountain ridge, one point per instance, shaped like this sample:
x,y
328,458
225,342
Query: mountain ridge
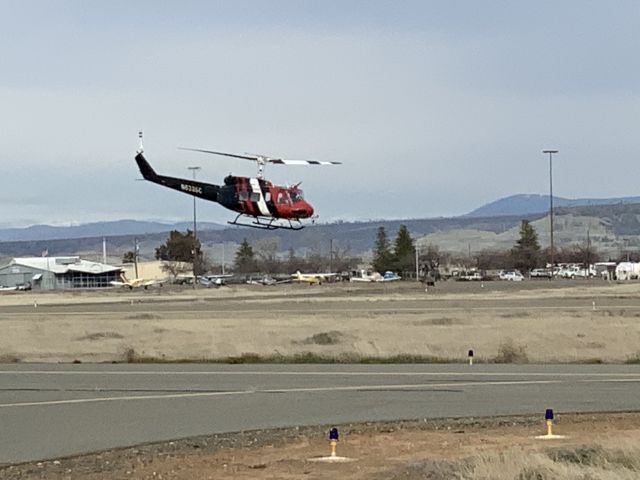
x,y
522,203
97,229
491,216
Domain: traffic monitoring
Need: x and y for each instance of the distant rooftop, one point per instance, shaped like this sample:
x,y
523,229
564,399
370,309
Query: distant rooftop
x,y
62,265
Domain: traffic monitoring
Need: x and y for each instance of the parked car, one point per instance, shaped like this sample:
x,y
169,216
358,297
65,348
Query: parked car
x,y
512,276
470,277
576,271
541,273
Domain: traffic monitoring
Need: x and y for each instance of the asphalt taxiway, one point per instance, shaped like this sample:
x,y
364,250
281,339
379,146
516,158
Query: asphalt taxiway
x,y
49,411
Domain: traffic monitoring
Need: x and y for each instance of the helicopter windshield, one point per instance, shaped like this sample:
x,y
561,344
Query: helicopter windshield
x,y
296,195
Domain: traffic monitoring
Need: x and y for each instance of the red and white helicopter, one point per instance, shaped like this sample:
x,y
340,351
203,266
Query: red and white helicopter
x,y
268,206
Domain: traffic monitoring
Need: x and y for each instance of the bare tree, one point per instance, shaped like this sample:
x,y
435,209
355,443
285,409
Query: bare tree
x,y
174,268
267,252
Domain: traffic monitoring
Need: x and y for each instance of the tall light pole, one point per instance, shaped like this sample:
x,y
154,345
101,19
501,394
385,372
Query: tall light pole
x,y
331,255
551,251
195,237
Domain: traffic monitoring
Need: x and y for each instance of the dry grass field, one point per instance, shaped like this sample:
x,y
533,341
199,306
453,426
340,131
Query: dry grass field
x,y
531,321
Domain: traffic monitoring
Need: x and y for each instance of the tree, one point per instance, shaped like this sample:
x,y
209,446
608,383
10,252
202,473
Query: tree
x,y
129,257
431,260
403,251
526,252
266,251
342,261
382,257
494,259
176,268
181,248
576,253
245,261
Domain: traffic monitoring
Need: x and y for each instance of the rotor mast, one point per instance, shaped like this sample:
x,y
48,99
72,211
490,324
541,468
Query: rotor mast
x,y
262,161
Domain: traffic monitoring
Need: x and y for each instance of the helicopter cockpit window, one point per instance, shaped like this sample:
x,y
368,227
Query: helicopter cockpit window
x,y
296,195
255,197
242,196
283,197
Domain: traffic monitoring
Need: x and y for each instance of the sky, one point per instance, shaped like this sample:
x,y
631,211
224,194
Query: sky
x,y
434,107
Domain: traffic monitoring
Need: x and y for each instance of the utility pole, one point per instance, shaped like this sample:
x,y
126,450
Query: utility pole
x,y
136,249
195,236
223,258
551,249
417,263
588,251
331,255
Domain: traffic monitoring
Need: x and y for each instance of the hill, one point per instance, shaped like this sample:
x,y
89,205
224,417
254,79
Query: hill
x,y
97,229
534,203
612,229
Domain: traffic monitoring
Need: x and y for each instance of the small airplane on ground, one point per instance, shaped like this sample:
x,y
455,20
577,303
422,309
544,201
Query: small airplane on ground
x,y
368,276
135,283
268,280
364,276
213,280
313,278
268,206
389,276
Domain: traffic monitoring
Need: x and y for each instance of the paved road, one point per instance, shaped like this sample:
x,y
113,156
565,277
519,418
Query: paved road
x,y
223,307
49,411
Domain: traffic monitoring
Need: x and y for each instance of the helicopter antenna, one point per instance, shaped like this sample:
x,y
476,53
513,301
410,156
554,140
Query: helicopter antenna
x,y
140,147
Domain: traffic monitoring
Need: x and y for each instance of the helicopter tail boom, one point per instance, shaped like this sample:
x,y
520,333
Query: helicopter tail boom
x,y
206,191
147,172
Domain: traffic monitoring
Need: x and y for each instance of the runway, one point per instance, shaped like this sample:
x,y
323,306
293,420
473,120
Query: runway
x,y
49,411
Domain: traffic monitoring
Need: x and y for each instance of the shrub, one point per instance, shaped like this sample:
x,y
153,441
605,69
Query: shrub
x,y
511,352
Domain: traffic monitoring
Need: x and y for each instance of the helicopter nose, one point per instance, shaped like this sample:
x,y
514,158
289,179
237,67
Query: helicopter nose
x,y
303,211
309,211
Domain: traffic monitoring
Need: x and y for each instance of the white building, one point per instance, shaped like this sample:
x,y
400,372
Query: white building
x,y
48,273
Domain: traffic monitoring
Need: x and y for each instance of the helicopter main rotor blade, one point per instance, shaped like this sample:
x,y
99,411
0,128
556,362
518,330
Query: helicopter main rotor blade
x,y
262,158
280,161
245,157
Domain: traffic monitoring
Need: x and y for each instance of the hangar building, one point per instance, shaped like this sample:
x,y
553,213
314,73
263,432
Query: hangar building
x,y
49,273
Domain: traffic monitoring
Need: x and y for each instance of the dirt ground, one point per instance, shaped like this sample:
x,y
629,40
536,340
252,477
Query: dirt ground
x,y
559,321
375,450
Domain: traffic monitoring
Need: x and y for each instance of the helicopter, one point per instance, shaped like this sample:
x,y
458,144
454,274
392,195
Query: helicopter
x,y
258,202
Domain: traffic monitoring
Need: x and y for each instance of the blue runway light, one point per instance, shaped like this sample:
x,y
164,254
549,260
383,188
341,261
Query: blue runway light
x,y
333,434
548,415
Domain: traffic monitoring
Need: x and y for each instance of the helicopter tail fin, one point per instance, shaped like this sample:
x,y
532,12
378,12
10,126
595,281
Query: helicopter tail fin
x,y
147,172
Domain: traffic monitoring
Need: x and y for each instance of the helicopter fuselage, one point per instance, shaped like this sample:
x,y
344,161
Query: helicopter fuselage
x,y
260,198
254,197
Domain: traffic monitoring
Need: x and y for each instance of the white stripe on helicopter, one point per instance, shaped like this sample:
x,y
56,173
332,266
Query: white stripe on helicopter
x,y
262,205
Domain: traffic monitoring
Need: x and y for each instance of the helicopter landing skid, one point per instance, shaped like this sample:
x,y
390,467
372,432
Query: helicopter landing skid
x,y
268,223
